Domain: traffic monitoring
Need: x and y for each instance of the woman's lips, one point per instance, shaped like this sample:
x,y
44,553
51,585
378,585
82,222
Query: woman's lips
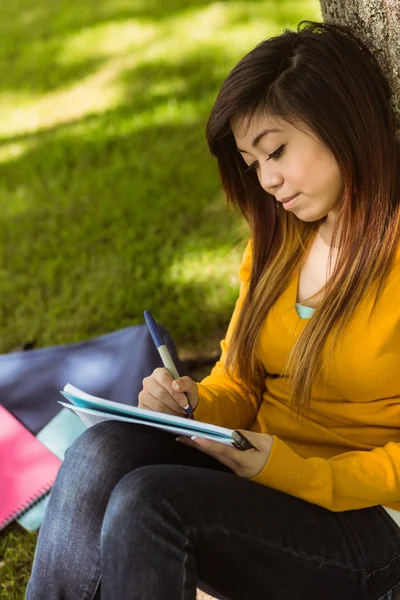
x,y
288,199
290,203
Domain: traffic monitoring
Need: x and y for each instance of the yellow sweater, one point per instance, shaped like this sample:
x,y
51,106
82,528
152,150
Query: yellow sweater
x,y
345,454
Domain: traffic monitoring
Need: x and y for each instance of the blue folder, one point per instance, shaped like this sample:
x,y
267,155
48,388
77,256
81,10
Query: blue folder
x,y
110,366
57,436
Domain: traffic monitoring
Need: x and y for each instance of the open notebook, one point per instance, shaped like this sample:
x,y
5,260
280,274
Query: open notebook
x,y
27,468
93,410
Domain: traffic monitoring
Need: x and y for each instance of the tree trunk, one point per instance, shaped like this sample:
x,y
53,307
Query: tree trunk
x,y
377,23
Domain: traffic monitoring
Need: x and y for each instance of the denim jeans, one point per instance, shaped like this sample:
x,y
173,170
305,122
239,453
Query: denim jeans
x,y
134,515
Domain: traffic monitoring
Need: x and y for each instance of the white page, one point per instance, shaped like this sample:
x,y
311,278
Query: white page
x,y
91,417
84,400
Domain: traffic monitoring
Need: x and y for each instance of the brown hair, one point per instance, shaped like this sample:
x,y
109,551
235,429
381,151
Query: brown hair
x,y
323,76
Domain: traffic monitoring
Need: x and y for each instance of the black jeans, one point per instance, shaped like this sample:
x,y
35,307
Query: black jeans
x,y
154,519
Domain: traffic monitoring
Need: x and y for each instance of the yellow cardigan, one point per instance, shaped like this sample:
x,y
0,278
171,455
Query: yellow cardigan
x,y
345,454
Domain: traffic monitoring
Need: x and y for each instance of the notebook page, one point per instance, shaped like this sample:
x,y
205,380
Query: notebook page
x,y
91,417
84,400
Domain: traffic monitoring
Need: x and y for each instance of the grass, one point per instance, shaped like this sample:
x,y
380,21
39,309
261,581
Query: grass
x,y
110,202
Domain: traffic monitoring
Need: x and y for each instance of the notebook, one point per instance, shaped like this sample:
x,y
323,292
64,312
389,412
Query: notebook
x,y
27,468
57,436
92,410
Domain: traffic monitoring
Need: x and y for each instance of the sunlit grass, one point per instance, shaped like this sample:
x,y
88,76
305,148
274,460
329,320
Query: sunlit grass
x,y
13,150
108,40
131,44
100,163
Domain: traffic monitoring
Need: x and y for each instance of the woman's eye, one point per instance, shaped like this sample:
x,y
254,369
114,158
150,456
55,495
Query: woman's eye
x,y
275,155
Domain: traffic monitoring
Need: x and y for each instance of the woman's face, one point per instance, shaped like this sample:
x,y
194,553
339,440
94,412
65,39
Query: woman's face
x,y
290,161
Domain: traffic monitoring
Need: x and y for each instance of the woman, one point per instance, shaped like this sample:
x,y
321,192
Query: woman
x,y
313,511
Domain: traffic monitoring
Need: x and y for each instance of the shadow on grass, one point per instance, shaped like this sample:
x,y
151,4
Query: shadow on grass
x,y
33,35
147,87
101,213
108,215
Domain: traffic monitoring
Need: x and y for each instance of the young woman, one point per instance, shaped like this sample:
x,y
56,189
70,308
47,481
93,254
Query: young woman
x,y
309,369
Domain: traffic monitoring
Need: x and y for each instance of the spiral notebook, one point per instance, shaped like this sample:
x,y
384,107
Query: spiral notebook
x,y
27,468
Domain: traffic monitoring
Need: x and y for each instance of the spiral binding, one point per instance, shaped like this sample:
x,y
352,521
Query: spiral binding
x,y
31,502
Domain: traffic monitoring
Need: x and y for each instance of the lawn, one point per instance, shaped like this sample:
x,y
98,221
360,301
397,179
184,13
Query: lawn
x,y
109,199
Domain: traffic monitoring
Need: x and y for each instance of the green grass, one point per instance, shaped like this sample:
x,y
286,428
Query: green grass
x,y
110,202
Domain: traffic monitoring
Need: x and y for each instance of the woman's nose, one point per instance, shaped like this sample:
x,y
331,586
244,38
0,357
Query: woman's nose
x,y
270,180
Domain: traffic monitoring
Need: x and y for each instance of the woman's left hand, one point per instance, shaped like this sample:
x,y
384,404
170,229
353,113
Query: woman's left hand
x,y
245,463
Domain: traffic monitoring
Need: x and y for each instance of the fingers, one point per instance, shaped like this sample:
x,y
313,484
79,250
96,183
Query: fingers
x,y
158,394
154,404
187,385
165,379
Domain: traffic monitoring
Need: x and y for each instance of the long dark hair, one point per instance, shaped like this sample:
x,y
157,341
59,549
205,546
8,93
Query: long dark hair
x,y
324,76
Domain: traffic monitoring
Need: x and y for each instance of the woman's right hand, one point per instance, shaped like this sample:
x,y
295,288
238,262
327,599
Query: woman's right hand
x,y
159,394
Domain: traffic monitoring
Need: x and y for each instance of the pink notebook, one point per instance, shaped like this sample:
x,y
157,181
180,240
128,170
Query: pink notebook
x,y
27,468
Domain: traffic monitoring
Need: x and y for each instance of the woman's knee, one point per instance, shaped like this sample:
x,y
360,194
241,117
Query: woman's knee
x,y
140,490
91,464
94,445
107,450
94,439
131,491
150,488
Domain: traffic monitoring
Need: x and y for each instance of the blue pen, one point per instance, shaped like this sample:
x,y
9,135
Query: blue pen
x,y
164,353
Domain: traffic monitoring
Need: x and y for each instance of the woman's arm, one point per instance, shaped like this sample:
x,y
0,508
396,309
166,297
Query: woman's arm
x,y
349,481
221,400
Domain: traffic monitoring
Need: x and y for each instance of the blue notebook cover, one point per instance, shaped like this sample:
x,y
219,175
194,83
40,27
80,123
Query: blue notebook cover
x,y
57,436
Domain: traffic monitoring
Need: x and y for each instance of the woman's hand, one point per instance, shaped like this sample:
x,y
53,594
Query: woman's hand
x,y
245,463
162,393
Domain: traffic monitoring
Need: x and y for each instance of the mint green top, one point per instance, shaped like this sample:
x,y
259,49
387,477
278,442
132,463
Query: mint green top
x,y
304,312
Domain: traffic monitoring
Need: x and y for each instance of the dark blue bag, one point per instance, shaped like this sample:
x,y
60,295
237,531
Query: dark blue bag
x,y
111,366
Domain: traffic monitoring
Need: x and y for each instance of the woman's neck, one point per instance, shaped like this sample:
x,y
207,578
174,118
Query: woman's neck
x,y
325,232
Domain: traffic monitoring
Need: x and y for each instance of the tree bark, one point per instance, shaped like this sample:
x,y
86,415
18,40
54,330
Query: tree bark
x,y
377,23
